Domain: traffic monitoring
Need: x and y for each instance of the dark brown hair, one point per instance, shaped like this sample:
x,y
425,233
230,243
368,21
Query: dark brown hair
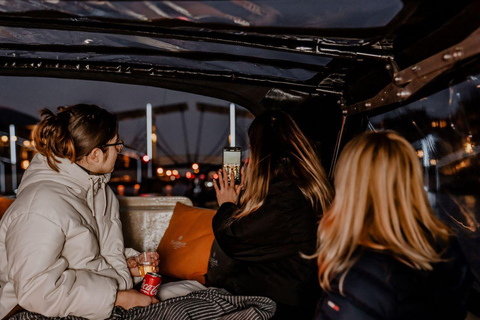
x,y
277,142
73,132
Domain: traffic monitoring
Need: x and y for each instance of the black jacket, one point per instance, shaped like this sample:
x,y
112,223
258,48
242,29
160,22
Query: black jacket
x,y
380,287
260,254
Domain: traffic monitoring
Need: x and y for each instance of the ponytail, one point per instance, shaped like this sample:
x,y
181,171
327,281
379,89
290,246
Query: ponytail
x,y
52,138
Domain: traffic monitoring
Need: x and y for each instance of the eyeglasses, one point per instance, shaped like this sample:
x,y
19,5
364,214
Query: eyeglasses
x,y
118,145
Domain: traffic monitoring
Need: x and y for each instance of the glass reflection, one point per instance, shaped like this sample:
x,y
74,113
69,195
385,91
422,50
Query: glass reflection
x,y
444,129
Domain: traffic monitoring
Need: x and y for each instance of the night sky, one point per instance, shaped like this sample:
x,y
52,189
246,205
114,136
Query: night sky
x,y
30,94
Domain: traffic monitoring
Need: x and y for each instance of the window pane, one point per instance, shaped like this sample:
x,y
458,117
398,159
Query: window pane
x,y
444,129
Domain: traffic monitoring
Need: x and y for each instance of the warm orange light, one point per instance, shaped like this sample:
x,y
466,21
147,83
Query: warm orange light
x,y
196,171
468,147
195,166
160,171
215,176
188,175
26,143
433,162
25,164
175,172
136,188
121,189
4,139
145,158
126,161
420,153
169,173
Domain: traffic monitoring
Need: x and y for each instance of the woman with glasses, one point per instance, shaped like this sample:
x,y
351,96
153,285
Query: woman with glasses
x,y
61,243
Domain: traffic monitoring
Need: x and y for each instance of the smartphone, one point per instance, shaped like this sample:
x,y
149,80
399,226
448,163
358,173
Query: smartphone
x,y
232,161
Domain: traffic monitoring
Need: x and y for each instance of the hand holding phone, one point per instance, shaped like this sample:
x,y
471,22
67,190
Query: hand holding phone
x,y
225,191
232,162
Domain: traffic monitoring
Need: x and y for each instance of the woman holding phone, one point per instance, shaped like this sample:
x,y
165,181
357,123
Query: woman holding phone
x,y
266,223
61,243
382,253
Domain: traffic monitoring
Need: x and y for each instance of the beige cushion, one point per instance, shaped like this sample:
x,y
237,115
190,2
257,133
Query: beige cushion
x,y
145,219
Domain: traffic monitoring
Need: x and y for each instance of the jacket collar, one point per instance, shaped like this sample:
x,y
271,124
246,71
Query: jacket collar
x,y
70,175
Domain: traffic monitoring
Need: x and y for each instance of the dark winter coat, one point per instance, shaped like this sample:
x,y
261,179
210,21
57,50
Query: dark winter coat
x,y
260,254
379,286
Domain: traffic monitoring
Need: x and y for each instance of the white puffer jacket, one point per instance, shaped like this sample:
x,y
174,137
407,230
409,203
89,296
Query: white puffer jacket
x,y
61,244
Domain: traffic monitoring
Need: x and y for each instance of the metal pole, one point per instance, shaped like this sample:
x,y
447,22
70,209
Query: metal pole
x,y
2,178
149,130
13,156
232,125
139,169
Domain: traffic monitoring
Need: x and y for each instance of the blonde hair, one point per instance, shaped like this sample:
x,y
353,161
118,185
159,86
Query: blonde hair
x,y
277,144
380,204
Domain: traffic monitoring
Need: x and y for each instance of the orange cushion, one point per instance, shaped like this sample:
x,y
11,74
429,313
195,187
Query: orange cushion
x,y
4,204
185,248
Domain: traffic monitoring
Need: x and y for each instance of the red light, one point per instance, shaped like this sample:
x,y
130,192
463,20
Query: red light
x,y
193,176
215,176
145,158
202,176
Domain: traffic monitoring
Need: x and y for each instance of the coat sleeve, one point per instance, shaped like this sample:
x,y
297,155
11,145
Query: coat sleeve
x,y
262,235
130,252
112,245
367,293
43,282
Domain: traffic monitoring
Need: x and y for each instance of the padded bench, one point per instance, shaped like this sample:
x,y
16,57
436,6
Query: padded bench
x,y
145,220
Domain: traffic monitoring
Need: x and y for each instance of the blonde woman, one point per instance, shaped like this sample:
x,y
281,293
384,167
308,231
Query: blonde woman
x,y
264,231
382,253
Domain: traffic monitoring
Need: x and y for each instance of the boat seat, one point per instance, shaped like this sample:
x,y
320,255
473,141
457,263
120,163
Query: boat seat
x,y
4,204
145,220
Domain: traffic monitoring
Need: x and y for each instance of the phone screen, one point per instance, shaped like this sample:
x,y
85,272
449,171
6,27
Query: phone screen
x,y
232,160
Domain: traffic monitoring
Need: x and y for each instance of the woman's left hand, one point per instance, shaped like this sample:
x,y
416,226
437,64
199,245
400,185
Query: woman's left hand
x,y
227,192
133,265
